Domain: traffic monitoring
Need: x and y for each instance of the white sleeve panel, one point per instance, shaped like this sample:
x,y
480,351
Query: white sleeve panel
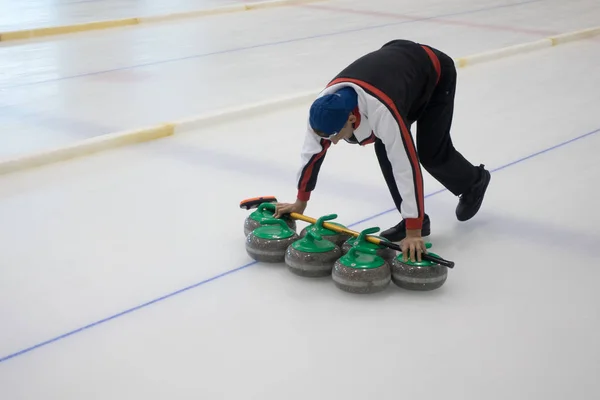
x,y
388,130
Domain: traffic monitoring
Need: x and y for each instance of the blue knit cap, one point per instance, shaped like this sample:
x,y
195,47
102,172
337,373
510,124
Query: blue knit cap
x,y
329,113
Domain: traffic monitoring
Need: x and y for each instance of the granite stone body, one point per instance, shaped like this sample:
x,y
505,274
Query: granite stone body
x,y
362,281
311,264
268,250
418,276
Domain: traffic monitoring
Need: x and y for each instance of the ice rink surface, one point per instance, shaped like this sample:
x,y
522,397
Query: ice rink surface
x,y
124,274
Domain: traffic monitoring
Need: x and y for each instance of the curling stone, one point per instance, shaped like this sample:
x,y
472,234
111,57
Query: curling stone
x,y
312,256
263,212
327,234
269,242
361,271
384,252
419,275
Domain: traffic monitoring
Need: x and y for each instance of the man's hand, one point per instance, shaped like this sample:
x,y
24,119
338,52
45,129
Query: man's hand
x,y
286,208
412,245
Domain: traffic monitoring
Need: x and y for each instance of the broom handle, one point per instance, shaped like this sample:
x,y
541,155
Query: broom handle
x,y
372,239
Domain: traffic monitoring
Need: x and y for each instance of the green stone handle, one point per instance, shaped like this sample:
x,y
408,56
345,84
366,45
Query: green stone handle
x,y
276,221
357,248
312,236
324,218
360,239
267,206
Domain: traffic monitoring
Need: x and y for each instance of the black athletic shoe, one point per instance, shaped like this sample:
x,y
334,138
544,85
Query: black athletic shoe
x,y
398,232
471,200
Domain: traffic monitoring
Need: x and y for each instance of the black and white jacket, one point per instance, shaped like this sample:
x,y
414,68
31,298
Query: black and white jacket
x,y
393,85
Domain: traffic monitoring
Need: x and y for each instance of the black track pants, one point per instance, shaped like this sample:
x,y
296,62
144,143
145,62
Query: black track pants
x,y
436,152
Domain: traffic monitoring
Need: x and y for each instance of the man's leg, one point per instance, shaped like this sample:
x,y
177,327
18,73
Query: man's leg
x,y
437,153
398,232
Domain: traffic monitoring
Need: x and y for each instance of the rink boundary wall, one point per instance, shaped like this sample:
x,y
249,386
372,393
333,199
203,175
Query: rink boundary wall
x,y
121,22
125,138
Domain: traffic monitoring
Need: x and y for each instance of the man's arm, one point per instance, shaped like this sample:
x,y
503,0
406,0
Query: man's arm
x,y
312,156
